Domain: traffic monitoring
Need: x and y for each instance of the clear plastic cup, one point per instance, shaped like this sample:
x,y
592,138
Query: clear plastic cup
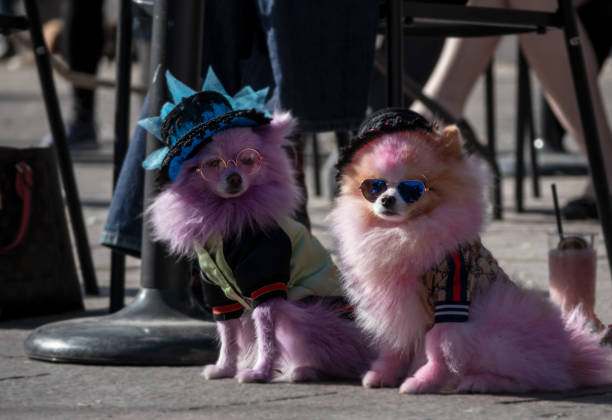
x,y
572,265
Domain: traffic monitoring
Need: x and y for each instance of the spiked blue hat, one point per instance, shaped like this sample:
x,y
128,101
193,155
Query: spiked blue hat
x,y
188,123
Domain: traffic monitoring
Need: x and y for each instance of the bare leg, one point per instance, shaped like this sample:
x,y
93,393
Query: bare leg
x,y
461,63
228,353
463,60
547,56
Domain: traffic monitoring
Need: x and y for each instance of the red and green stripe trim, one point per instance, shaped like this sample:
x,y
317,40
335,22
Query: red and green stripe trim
x,y
456,288
218,310
267,289
456,307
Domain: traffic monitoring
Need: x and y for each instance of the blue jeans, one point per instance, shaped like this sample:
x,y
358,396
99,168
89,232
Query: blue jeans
x,y
7,7
123,227
321,53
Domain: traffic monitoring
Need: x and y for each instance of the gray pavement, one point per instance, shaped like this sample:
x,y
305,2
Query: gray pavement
x,y
32,389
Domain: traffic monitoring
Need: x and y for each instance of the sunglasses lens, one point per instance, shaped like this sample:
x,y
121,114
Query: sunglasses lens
x,y
249,160
372,188
411,191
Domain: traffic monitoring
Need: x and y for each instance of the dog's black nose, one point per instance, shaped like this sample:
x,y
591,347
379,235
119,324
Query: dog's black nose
x,y
387,201
234,180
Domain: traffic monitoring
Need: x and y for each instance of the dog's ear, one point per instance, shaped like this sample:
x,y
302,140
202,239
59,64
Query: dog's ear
x,y
451,142
276,132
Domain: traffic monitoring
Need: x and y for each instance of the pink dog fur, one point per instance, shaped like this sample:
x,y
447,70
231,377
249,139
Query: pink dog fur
x,y
514,340
279,340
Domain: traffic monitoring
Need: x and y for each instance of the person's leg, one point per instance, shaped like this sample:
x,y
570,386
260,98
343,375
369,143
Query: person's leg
x,y
461,63
547,56
594,15
7,49
84,37
123,228
7,7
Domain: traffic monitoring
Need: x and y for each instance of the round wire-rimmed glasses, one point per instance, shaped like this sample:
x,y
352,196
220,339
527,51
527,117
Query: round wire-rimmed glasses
x,y
248,160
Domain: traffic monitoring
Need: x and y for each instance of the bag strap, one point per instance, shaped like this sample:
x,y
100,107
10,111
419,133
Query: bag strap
x,y
23,187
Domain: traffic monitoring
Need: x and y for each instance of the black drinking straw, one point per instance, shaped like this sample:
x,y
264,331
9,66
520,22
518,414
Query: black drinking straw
x,y
553,187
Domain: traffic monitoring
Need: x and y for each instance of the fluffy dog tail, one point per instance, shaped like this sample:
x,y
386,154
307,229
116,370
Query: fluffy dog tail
x,y
591,362
315,338
521,342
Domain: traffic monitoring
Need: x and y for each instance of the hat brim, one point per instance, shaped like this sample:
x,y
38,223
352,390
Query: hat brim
x,y
188,145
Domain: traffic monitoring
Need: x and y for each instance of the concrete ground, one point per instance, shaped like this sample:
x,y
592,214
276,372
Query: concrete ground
x,y
33,389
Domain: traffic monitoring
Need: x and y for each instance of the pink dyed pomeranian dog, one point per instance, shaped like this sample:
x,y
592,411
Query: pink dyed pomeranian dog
x,y
407,225
272,287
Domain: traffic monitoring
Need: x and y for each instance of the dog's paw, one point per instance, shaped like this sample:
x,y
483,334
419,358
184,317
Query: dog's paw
x,y
375,379
304,374
254,375
415,385
218,372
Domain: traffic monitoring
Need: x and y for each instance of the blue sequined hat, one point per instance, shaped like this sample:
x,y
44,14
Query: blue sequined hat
x,y
188,123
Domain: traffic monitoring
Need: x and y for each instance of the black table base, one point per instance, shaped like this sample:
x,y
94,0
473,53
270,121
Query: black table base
x,y
157,328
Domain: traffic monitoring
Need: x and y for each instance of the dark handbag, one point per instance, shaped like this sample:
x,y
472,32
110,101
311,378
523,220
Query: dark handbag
x,y
37,268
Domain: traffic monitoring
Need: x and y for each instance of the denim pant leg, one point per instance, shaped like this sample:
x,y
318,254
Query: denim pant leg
x,y
123,228
321,53
7,7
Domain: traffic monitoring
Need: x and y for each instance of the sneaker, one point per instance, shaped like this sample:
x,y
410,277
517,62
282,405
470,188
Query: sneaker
x,y
80,135
580,209
7,48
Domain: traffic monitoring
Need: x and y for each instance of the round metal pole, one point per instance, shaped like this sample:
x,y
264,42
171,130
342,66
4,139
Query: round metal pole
x,y
122,129
164,325
168,52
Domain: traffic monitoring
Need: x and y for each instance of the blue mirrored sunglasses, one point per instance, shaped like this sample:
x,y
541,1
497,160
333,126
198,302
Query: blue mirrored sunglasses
x,y
410,190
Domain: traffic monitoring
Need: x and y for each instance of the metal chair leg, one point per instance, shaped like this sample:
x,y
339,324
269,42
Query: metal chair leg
x,y
316,165
533,152
496,188
589,125
525,128
395,64
519,162
56,124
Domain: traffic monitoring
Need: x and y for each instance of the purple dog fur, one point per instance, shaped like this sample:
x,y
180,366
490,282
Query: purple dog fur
x,y
186,213
267,352
303,341
295,341
227,361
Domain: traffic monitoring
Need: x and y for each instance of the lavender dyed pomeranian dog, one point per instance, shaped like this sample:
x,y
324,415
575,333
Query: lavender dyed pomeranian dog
x,y
407,224
274,290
